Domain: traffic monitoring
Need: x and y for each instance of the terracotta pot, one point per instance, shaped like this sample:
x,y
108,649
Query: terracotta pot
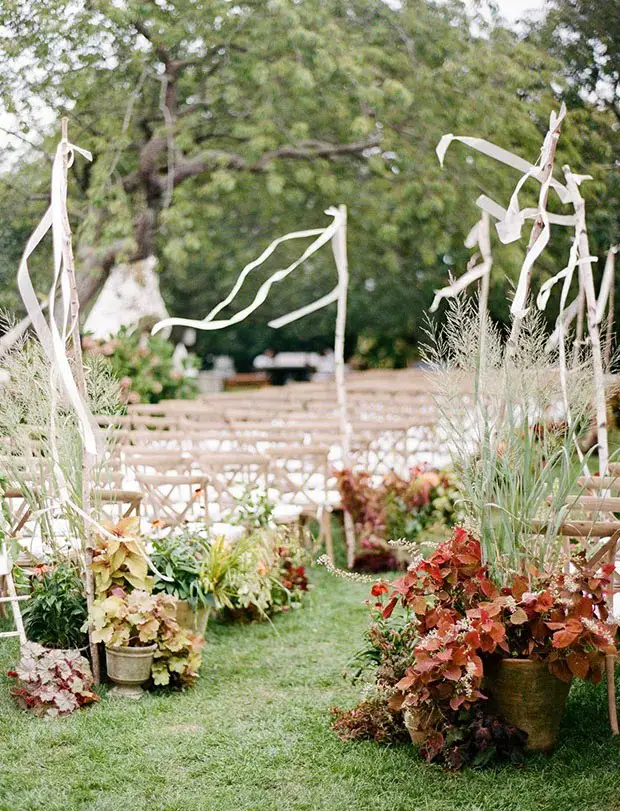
x,y
129,668
194,619
528,696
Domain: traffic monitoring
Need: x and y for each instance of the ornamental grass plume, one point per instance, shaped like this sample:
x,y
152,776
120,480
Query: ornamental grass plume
x,y
38,425
512,439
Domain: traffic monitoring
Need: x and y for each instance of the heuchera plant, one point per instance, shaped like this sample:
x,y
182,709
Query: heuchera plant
x,y
140,619
118,561
52,682
395,508
126,613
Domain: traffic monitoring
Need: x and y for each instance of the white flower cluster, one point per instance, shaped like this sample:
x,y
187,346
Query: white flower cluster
x,y
599,629
358,578
510,603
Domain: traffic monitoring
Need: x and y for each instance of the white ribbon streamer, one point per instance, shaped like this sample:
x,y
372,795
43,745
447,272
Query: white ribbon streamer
x,y
207,323
479,234
52,340
510,220
330,298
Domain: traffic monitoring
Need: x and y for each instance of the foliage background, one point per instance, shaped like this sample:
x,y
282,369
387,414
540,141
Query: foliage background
x,y
252,89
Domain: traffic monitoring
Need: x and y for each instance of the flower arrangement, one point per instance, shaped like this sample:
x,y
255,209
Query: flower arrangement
x,y
144,366
259,574
394,508
52,682
456,622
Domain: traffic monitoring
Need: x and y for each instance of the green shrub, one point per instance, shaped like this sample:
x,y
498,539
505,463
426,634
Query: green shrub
x,y
144,366
56,611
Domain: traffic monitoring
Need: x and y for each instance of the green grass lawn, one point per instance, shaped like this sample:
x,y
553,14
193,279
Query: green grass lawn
x,y
254,736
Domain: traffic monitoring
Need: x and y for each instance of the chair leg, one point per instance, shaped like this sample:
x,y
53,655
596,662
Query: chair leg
x,y
329,539
610,659
349,533
610,666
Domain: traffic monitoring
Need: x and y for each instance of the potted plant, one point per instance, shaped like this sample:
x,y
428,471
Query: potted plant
x,y
128,625
396,507
180,557
504,614
55,613
139,629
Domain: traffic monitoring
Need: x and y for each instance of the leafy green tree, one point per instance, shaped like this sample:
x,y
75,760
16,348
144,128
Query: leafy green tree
x,y
216,127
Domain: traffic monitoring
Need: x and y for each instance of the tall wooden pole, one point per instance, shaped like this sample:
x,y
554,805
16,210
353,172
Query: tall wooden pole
x,y
339,247
537,228
609,330
76,350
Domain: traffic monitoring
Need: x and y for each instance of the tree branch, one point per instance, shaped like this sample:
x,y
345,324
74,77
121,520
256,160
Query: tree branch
x,y
161,51
305,150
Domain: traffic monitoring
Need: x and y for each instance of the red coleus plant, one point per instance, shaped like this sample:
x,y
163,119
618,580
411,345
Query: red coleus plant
x,y
462,618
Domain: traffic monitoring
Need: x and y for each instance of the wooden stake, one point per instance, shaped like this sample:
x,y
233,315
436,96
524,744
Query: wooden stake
x,y
609,332
339,248
537,228
76,348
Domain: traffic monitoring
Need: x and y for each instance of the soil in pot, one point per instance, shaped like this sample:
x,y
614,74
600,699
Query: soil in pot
x,y
527,695
129,669
194,619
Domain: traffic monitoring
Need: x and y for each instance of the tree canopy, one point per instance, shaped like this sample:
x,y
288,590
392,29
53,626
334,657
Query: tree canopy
x,y
216,127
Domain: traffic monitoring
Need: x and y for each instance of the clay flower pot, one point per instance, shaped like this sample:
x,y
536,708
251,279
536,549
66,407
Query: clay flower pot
x,y
194,619
129,668
528,696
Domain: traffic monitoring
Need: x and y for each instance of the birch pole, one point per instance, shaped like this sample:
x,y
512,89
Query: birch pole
x,y
581,303
606,298
76,349
339,248
538,227
587,283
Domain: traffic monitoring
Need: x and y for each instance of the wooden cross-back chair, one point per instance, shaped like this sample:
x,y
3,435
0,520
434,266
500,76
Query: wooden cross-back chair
x,y
172,440
231,475
380,447
106,503
601,530
147,461
300,474
171,499
8,595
